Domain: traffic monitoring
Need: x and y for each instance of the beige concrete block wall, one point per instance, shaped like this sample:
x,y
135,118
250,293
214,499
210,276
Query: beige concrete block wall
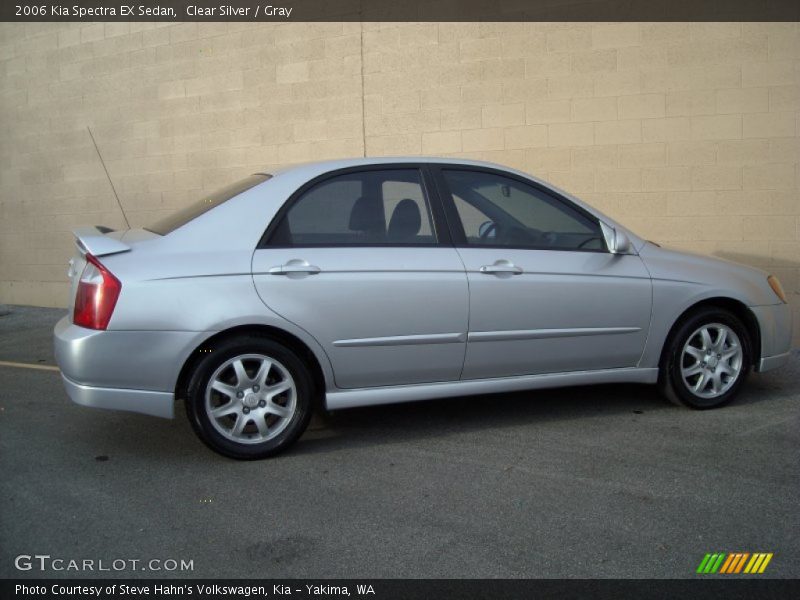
x,y
686,132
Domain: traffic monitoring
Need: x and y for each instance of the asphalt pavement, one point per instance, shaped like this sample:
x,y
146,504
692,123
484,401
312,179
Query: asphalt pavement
x,y
603,481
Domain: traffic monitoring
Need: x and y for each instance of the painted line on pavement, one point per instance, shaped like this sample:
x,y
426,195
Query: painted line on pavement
x,y
19,365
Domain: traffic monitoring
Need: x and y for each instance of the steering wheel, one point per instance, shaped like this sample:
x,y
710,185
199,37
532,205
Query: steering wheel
x,y
589,239
548,237
487,229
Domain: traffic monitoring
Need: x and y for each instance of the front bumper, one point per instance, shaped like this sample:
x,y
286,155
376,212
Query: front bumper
x,y
773,362
775,324
123,370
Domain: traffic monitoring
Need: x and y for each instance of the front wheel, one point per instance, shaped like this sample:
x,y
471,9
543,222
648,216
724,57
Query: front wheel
x,y
250,398
707,360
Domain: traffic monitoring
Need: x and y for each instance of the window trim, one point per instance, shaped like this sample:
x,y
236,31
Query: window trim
x,y
456,227
430,194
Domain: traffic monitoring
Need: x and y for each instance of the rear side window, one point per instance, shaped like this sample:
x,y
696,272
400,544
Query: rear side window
x,y
183,216
366,208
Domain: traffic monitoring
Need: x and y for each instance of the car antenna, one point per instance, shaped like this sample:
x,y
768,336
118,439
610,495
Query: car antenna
x,y
113,189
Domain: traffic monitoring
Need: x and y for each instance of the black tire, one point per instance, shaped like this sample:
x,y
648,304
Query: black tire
x,y
290,427
671,380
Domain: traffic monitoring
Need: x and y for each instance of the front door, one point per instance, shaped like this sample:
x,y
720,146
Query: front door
x,y
545,294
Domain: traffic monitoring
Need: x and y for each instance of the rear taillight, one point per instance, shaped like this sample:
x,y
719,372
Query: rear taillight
x,y
97,295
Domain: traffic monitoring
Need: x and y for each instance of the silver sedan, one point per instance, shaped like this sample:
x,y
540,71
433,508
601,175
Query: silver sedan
x,y
368,281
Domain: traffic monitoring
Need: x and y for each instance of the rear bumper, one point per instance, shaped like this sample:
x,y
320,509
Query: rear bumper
x,y
157,404
123,370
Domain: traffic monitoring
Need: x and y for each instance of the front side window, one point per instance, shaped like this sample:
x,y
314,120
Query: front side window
x,y
495,210
370,208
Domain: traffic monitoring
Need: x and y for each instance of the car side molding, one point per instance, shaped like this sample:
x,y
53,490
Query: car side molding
x,y
538,334
404,340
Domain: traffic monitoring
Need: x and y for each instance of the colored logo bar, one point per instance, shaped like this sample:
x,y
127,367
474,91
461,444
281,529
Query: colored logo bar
x,y
734,562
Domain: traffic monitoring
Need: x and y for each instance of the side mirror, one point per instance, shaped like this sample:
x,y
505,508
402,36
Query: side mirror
x,y
616,241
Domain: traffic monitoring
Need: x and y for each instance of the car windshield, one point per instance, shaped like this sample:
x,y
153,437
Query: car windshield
x,y
179,218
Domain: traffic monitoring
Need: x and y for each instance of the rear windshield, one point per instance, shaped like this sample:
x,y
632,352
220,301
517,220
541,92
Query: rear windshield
x,y
179,218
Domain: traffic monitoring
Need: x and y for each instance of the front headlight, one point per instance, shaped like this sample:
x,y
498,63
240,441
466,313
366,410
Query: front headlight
x,y
777,288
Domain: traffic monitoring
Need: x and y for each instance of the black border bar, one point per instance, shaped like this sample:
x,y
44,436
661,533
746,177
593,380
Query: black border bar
x,y
398,11
730,588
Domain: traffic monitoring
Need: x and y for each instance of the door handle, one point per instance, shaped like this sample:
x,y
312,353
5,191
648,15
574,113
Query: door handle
x,y
501,266
295,266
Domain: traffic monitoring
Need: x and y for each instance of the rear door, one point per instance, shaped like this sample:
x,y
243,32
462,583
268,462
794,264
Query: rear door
x,y
545,294
362,260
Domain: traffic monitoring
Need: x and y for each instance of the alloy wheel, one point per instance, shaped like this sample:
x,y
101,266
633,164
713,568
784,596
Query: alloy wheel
x,y
711,360
251,398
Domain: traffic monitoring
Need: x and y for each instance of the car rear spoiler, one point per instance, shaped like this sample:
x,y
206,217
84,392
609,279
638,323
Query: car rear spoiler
x,y
92,240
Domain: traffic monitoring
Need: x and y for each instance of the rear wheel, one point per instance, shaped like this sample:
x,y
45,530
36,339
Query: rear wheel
x,y
250,398
707,360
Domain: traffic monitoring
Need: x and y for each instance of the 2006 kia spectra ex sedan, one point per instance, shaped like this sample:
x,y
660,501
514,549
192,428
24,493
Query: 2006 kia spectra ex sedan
x,y
370,281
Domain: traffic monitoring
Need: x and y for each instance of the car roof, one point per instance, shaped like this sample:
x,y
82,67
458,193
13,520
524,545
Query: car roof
x,y
299,173
311,169
285,181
